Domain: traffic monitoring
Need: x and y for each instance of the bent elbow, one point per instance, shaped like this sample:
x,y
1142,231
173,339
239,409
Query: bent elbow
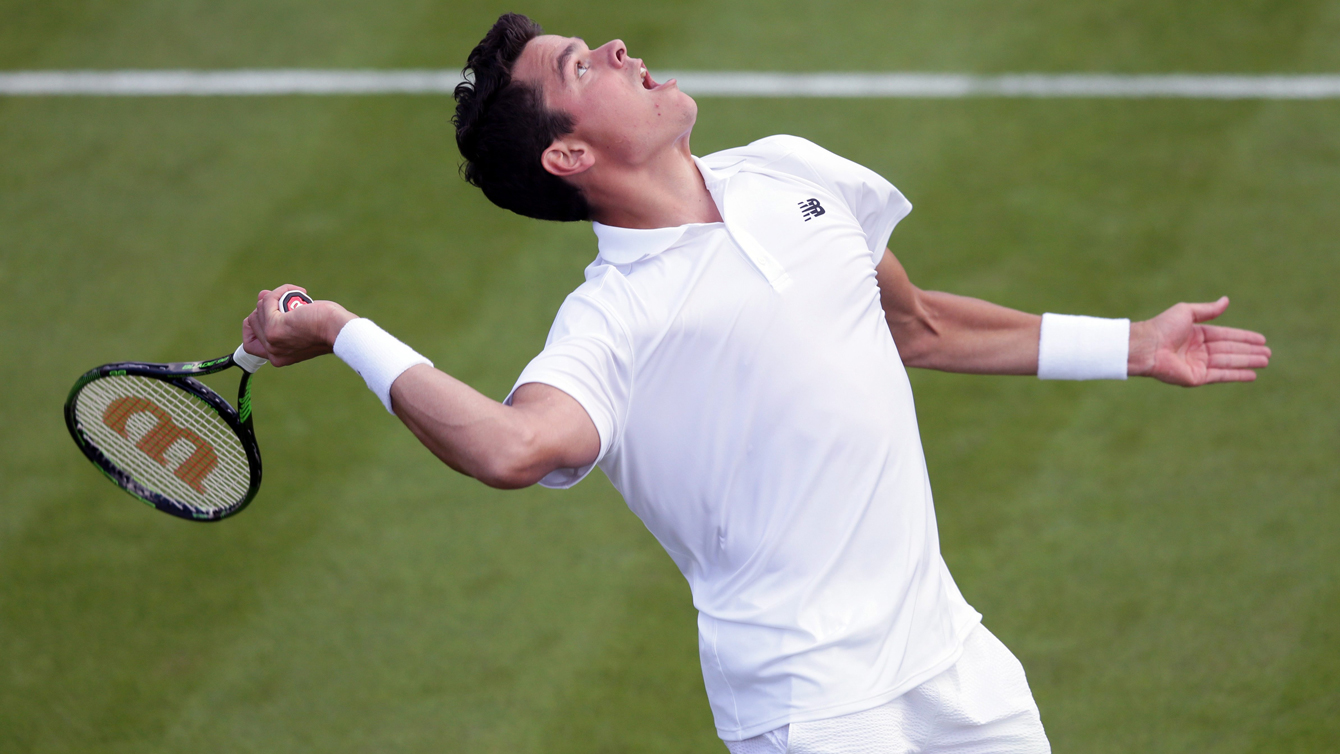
x,y
918,339
915,359
917,349
512,466
508,479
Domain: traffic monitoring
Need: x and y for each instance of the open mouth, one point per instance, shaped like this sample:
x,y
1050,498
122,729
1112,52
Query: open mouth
x,y
649,83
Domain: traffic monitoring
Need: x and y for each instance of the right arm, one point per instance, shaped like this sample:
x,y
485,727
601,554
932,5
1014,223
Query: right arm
x,y
502,446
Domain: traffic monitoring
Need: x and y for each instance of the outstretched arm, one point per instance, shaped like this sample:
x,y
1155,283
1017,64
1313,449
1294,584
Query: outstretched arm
x,y
501,445
935,330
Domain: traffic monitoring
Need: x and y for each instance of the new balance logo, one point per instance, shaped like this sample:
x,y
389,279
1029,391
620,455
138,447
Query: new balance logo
x,y
810,209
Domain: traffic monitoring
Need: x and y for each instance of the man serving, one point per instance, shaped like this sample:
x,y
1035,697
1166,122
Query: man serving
x,y
735,364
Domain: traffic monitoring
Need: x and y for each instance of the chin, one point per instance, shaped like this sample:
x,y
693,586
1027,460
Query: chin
x,y
690,105
690,114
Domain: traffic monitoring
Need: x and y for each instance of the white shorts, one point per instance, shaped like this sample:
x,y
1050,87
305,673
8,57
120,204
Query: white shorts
x,y
981,705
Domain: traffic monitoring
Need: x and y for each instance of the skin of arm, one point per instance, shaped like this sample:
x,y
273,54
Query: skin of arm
x,y
502,446
935,330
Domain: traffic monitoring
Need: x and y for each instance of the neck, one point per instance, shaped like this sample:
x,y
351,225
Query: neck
x,y
663,192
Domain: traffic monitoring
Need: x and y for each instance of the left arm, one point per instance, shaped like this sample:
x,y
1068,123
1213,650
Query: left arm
x,y
935,330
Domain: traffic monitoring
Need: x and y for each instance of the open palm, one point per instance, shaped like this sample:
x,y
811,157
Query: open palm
x,y
1176,348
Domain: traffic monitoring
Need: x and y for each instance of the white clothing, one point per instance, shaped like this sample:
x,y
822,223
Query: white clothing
x,y
754,413
982,705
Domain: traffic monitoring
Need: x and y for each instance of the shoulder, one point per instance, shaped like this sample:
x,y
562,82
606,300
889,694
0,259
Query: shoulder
x,y
797,156
604,303
766,150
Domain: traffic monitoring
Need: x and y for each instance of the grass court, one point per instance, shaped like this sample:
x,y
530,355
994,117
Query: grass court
x,y
1163,561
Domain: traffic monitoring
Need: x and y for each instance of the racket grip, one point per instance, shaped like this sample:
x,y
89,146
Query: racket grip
x,y
290,301
247,361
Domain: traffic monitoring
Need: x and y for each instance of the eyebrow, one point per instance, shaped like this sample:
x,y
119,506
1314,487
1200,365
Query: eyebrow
x,y
563,58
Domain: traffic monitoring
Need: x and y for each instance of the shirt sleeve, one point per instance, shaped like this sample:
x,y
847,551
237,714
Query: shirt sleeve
x,y
588,355
877,205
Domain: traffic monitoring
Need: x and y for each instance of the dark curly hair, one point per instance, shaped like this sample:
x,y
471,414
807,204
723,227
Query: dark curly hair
x,y
502,129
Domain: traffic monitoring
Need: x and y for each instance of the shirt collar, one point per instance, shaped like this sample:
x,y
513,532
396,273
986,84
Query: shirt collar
x,y
628,245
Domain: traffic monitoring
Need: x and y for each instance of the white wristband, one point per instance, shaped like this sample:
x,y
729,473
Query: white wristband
x,y
1083,348
376,355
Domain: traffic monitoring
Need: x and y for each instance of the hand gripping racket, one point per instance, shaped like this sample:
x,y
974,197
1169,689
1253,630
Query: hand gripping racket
x,y
166,438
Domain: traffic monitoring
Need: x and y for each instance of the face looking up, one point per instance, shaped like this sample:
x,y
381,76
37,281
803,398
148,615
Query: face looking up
x,y
620,113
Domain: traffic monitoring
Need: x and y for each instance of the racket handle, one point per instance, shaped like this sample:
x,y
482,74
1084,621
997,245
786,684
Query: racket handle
x,y
291,300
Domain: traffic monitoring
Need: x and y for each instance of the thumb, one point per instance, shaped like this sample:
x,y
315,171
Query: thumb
x,y
1206,312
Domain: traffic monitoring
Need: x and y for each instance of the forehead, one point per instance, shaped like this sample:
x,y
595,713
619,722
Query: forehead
x,y
538,62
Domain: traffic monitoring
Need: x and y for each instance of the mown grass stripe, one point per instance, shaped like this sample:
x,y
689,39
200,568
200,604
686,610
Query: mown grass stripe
x,y
699,83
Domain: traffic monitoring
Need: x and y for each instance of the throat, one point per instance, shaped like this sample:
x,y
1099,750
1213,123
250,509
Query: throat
x,y
653,196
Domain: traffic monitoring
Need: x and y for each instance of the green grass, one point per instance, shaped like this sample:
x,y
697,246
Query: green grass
x,y
1160,559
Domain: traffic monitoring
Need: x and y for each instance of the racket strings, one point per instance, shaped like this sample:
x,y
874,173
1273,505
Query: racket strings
x,y
166,439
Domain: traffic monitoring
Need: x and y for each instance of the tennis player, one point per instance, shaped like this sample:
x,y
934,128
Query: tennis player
x,y
735,364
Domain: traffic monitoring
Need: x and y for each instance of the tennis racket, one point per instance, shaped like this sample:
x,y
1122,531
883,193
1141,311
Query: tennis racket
x,y
166,438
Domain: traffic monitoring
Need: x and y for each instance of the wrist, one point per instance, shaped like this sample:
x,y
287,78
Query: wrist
x,y
1074,347
376,355
335,322
1143,346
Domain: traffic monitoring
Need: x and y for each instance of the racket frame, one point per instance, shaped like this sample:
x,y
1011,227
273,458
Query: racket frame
x,y
181,375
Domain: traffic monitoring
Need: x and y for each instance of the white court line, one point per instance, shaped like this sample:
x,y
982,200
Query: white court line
x,y
698,83
238,82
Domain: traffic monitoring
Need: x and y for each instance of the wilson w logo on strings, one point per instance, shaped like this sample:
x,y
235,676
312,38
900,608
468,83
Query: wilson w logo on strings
x,y
162,436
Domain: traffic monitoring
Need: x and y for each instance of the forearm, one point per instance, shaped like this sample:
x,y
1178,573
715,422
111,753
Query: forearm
x,y
467,430
935,330
961,334
501,445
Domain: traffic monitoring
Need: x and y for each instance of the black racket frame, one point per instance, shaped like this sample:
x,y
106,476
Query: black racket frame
x,y
181,375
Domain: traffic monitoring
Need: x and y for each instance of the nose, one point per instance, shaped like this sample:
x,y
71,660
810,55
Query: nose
x,y
617,52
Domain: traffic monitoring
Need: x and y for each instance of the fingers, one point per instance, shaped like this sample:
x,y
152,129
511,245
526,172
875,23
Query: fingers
x,y
269,300
1232,354
1206,312
1238,361
1217,333
286,287
1232,346
289,337
254,325
251,341
1229,375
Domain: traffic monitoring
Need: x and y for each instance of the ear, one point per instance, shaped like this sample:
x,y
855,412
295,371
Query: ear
x,y
566,158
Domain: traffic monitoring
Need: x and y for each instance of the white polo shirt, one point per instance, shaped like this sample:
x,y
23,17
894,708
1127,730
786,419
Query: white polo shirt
x,y
754,412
